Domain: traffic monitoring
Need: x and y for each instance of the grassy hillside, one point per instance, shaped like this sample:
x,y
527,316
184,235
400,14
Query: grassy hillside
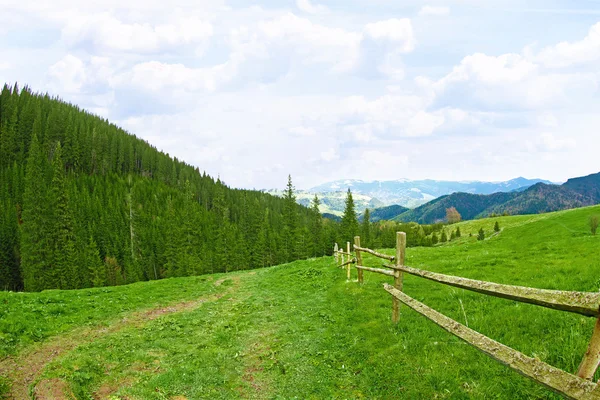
x,y
300,330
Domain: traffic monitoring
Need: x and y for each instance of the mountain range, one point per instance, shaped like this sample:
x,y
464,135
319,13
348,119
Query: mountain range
x,y
413,193
539,198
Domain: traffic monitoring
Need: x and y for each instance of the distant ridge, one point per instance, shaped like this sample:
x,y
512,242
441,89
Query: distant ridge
x,y
539,198
413,193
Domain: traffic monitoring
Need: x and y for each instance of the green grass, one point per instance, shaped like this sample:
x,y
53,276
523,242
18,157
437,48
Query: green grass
x,y
26,318
301,331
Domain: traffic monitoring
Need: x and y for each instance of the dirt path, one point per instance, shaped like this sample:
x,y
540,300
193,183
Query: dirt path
x,y
23,370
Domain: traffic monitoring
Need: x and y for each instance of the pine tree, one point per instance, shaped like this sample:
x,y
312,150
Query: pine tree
x,y
316,228
60,272
34,250
452,235
365,229
481,234
496,227
349,224
290,222
434,239
94,265
458,231
444,237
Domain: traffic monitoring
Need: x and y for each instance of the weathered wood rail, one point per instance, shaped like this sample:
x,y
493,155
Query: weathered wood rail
x,y
571,386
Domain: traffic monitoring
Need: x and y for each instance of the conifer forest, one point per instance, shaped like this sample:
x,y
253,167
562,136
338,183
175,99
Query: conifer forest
x,y
85,204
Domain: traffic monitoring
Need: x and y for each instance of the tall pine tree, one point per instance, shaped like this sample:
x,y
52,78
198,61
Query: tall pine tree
x,y
316,228
63,271
34,244
290,222
365,229
349,224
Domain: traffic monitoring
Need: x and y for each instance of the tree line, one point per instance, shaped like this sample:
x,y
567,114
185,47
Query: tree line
x,y
83,203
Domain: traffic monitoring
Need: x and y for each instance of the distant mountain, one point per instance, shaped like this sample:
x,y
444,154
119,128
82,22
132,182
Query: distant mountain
x,y
384,213
409,193
333,202
332,217
539,198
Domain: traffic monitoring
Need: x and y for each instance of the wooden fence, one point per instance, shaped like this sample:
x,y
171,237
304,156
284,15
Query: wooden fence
x,y
579,386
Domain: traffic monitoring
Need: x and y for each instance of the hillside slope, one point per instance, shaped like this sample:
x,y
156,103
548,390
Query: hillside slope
x,y
539,198
383,213
300,330
83,203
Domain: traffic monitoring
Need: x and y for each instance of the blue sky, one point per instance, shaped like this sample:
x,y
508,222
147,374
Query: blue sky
x,y
323,90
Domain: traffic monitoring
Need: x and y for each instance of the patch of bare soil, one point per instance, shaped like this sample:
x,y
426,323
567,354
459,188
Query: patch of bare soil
x,y
24,369
52,389
108,388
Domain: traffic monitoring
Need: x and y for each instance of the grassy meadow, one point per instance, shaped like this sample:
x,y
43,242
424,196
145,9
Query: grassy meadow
x,y
301,331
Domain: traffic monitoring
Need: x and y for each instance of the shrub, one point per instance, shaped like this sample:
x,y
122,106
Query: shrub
x,y
481,234
594,224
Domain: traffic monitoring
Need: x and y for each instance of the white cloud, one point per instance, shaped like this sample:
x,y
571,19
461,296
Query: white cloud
x,y
106,32
398,31
389,117
69,73
504,69
565,54
423,124
549,142
314,43
508,81
156,76
303,131
330,155
308,7
432,10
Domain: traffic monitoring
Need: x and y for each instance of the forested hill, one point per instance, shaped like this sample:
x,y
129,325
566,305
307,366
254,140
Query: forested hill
x,y
83,203
539,198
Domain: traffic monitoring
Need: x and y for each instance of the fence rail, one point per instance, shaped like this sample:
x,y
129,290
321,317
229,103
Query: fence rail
x,y
584,303
579,386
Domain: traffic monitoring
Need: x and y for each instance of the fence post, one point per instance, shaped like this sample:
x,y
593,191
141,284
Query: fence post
x,y
398,275
590,361
358,258
348,266
337,256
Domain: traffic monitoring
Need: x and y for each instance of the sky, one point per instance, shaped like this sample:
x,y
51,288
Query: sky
x,y
331,89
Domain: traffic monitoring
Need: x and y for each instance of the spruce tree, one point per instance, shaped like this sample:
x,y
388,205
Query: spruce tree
x,y
94,265
496,227
316,228
365,229
444,238
34,244
61,272
458,231
349,224
290,222
480,234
